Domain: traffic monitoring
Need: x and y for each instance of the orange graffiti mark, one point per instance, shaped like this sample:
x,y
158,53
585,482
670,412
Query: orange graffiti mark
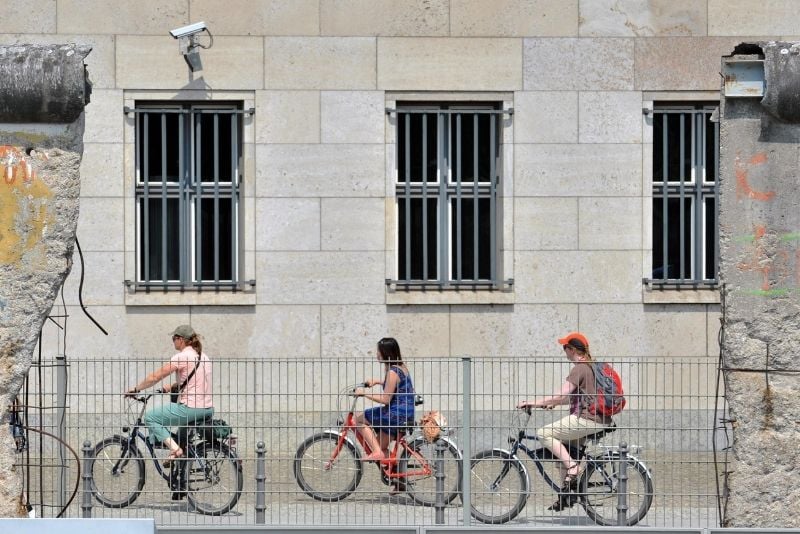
x,y
742,169
762,263
15,164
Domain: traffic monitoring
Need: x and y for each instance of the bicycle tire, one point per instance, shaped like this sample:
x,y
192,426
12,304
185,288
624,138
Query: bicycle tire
x,y
214,478
422,487
117,459
499,486
599,496
341,477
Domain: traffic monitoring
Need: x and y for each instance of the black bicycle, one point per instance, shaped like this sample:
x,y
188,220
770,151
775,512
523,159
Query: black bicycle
x,y
209,474
501,484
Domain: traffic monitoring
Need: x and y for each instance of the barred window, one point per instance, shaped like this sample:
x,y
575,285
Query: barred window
x,y
685,195
188,195
448,171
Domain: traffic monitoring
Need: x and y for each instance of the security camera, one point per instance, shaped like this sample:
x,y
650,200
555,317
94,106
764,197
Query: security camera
x,y
186,31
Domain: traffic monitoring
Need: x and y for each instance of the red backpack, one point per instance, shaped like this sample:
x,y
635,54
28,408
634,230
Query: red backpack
x,y
609,399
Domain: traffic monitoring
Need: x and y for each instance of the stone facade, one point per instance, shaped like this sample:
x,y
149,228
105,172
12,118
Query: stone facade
x,y
319,219
319,153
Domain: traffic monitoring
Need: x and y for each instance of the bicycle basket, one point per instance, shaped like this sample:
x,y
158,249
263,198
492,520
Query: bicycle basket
x,y
433,424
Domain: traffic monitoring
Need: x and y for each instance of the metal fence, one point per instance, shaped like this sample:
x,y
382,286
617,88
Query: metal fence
x,y
670,424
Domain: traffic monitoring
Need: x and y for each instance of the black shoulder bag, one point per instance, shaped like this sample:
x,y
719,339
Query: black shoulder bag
x,y
175,390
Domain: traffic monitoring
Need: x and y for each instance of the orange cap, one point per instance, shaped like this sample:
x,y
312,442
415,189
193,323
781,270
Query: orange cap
x,y
577,336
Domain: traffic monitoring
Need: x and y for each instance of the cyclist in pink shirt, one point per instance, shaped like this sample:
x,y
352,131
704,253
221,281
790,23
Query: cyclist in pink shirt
x,y
195,403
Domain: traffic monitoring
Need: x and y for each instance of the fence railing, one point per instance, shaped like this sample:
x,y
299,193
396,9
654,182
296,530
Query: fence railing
x,y
670,424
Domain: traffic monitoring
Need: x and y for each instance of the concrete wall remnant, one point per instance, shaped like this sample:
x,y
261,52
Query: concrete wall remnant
x,y
43,90
760,270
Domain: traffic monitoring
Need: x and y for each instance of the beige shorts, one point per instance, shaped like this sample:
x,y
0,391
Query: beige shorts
x,y
570,428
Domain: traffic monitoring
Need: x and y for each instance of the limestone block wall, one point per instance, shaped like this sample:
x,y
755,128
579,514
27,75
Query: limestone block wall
x,y
319,159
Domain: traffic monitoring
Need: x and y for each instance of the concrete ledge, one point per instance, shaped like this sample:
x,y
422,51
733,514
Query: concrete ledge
x,y
78,526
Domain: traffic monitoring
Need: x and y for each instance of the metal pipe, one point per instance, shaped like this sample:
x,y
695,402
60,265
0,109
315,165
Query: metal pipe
x,y
86,476
439,476
61,416
622,486
261,479
466,395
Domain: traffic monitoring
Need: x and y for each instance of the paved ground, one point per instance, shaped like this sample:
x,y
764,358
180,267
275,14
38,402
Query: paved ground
x,y
684,486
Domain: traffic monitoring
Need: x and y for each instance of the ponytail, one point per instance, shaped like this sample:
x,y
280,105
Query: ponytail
x,y
194,342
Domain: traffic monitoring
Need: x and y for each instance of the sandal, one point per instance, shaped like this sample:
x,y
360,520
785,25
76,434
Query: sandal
x,y
571,479
376,456
174,455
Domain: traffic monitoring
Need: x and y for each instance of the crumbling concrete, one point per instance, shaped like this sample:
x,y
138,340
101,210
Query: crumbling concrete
x,y
760,270
43,90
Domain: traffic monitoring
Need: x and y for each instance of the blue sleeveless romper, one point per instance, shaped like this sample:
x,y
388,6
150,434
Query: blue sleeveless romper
x,y
399,412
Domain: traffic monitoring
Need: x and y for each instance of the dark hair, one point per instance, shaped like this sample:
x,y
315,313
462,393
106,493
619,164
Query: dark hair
x,y
389,351
194,342
580,347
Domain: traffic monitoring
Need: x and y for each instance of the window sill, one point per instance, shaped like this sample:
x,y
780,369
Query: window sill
x,y
449,296
157,297
676,295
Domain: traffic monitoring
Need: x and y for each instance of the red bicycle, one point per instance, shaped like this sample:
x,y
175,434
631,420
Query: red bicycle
x,y
328,465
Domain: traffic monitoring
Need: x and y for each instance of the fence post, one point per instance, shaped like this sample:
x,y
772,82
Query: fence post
x,y
61,415
466,442
439,476
261,478
622,486
86,476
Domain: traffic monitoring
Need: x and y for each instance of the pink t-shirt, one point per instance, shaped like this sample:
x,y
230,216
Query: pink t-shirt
x,y
197,393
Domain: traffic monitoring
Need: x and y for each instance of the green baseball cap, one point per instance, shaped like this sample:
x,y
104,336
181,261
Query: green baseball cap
x,y
184,330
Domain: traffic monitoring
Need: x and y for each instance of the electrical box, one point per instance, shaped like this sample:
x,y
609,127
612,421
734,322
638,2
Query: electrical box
x,y
744,77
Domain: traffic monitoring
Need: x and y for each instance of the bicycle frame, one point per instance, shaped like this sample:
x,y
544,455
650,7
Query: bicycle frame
x,y
131,434
578,453
387,466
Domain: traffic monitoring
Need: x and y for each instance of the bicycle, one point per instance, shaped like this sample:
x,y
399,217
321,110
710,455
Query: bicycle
x,y
209,475
328,466
501,484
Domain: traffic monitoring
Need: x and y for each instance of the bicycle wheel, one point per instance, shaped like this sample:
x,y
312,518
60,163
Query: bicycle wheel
x,y
214,478
599,490
500,486
418,463
117,472
325,470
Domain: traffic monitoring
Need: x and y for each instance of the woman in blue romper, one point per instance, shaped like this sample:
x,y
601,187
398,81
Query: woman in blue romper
x,y
397,399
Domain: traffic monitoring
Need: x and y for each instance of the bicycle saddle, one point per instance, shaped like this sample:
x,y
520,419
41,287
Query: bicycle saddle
x,y
597,435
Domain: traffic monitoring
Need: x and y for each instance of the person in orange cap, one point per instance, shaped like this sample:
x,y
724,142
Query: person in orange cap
x,y
578,391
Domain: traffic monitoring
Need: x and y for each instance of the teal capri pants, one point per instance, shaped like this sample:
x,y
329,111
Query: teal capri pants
x,y
172,415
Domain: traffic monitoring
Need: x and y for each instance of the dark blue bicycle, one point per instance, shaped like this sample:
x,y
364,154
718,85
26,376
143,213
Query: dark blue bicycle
x,y
209,475
501,484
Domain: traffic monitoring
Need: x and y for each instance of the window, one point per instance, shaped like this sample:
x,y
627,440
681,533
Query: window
x,y
448,171
188,195
685,195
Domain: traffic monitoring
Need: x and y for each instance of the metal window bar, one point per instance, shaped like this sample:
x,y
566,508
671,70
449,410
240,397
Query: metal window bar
x,y
451,194
192,195
696,189
459,170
